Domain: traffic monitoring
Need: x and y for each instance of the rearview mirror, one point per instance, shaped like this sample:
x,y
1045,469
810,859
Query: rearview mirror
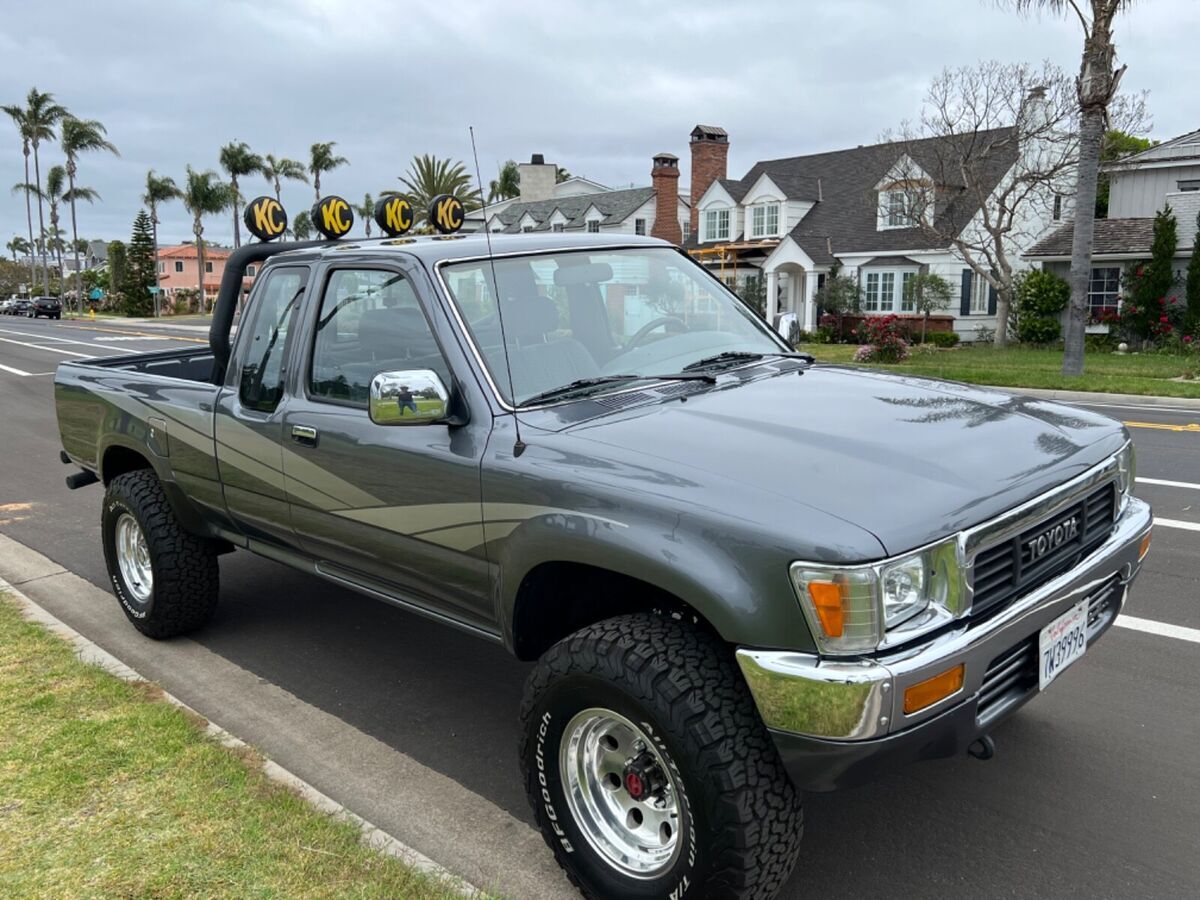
x,y
408,397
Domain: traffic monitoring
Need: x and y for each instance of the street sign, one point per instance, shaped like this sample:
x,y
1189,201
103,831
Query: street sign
x,y
154,290
96,294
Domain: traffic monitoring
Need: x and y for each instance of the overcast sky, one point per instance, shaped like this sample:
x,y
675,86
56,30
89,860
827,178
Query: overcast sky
x,y
598,87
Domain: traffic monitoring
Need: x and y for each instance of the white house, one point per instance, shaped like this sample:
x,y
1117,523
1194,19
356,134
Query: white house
x,y
793,220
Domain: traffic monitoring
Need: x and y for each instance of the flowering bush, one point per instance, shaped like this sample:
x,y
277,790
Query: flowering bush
x,y
1154,322
883,341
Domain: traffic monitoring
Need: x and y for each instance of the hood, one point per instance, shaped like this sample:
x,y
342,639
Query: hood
x,y
910,460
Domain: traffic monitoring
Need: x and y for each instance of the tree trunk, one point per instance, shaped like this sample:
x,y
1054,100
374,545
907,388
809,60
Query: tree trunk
x,y
75,238
157,276
37,174
29,218
198,230
237,231
1003,305
317,184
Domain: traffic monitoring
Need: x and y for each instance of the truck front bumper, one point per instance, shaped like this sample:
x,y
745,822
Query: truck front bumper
x,y
841,722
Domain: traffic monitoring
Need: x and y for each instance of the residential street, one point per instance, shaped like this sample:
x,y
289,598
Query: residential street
x,y
1093,791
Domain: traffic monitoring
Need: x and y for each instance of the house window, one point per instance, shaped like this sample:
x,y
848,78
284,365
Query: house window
x,y
250,270
556,227
1189,185
685,228
1104,288
525,229
871,294
1058,207
593,226
907,304
764,220
639,226
162,268
900,208
980,295
716,225
179,265
208,267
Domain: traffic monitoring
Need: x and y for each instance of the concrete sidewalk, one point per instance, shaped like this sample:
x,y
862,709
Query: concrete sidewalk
x,y
1182,403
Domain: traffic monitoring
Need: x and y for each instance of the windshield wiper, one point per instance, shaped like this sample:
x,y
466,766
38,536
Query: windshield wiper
x,y
586,385
737,356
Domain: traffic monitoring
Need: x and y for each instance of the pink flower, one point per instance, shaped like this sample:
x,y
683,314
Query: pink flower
x,y
1187,338
1163,319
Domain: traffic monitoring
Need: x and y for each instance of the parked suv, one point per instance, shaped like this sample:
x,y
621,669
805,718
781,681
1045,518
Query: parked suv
x,y
19,307
50,307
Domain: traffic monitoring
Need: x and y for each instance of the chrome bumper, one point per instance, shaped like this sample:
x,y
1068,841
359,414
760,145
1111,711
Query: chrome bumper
x,y
862,699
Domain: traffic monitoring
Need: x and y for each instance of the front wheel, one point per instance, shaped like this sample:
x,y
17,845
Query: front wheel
x,y
649,770
165,578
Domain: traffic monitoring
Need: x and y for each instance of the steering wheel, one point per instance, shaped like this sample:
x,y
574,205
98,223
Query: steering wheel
x,y
641,333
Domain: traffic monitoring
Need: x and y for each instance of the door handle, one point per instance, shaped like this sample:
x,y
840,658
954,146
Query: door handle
x,y
304,434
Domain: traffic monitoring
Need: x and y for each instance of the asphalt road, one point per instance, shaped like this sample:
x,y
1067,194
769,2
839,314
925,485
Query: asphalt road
x,y
1093,792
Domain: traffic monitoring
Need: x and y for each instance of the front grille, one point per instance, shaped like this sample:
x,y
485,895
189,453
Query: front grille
x,y
1012,675
1005,571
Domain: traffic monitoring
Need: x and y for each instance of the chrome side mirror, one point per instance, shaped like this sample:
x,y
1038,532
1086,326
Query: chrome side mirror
x,y
408,397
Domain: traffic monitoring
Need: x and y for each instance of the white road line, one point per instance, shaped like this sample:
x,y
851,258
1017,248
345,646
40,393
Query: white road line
x,y
59,340
1178,410
13,371
1161,629
1177,523
50,349
1165,483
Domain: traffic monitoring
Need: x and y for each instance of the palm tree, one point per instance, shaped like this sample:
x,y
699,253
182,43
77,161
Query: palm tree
x,y
17,114
507,184
56,182
159,189
275,170
41,115
205,194
237,159
429,176
17,245
80,136
366,210
302,226
322,159
1097,84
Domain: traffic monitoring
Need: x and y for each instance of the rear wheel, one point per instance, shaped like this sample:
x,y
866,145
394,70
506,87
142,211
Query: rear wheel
x,y
165,578
649,770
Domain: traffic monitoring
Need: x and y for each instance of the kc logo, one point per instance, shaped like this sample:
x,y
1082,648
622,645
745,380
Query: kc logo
x,y
265,218
332,217
393,215
446,213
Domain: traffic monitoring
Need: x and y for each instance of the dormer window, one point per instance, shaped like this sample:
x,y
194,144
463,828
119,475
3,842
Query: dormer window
x,y
764,220
902,206
716,225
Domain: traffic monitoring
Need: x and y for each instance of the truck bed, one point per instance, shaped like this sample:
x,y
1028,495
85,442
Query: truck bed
x,y
189,365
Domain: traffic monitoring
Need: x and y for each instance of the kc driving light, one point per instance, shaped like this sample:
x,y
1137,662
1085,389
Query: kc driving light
x,y
852,609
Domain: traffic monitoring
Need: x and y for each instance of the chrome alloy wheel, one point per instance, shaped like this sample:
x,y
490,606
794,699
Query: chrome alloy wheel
x,y
133,558
621,791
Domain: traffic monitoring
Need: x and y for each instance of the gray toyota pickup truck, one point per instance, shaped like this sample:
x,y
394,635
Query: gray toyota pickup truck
x,y
740,575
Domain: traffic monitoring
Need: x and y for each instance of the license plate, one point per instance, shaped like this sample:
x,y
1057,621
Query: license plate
x,y
1061,643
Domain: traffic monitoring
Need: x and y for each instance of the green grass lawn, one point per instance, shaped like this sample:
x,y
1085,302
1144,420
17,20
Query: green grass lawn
x,y
1133,373
106,791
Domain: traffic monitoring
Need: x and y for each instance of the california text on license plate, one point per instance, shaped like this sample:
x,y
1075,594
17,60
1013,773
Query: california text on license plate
x,y
1061,643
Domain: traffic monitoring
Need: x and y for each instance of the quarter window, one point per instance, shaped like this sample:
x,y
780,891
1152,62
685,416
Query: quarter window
x,y
370,321
1104,288
260,383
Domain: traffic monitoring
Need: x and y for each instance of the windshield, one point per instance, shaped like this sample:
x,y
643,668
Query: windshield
x,y
571,316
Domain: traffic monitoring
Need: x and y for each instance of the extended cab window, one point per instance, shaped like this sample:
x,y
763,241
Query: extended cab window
x,y
370,322
261,381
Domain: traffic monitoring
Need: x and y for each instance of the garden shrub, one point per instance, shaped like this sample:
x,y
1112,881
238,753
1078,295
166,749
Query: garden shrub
x,y
943,338
885,343
1041,298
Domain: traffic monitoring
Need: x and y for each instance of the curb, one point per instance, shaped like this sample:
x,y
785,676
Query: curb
x,y
1100,398
89,652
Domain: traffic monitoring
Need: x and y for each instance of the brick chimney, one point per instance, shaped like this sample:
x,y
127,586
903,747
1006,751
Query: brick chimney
x,y
710,153
538,178
665,178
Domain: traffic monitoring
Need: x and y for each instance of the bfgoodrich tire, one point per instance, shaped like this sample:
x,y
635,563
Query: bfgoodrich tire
x,y
649,770
165,579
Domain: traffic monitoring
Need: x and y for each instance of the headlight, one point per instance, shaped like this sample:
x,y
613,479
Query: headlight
x,y
852,609
1126,474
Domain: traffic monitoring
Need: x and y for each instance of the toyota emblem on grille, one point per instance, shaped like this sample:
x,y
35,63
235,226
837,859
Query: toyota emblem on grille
x,y
1053,538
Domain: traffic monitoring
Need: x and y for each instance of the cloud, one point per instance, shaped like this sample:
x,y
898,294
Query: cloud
x,y
597,87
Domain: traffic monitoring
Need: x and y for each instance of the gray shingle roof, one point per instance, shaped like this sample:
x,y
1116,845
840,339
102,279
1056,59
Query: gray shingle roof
x,y
615,205
846,216
1111,237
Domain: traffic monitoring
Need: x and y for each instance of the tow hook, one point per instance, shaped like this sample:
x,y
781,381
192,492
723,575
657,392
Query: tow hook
x,y
982,748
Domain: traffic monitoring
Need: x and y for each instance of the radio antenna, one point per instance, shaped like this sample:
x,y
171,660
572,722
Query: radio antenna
x,y
519,446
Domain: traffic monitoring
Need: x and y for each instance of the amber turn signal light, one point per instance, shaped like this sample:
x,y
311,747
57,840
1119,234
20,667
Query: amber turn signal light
x,y
827,601
1145,547
931,690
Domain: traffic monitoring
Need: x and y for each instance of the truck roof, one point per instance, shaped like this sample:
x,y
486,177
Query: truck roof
x,y
432,249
